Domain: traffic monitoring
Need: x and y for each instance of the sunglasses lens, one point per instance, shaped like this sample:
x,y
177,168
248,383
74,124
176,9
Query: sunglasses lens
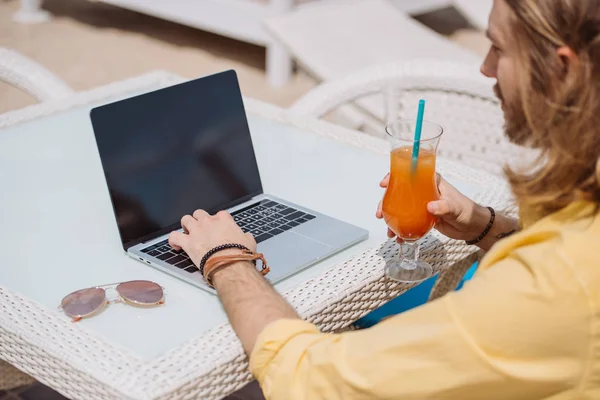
x,y
83,302
141,292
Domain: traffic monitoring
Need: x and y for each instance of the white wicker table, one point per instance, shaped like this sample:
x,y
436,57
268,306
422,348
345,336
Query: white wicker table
x,y
53,194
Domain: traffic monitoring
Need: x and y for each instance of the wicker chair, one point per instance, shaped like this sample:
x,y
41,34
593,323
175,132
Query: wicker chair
x,y
31,77
40,83
458,98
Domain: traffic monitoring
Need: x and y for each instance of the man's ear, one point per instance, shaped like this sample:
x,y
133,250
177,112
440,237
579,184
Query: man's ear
x,y
568,57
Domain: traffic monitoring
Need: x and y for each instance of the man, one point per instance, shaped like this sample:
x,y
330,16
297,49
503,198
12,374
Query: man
x,y
528,325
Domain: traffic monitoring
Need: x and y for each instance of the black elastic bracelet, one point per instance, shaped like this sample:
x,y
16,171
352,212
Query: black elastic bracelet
x,y
216,250
486,230
505,235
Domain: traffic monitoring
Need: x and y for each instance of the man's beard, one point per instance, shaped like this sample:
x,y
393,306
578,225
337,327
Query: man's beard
x,y
516,127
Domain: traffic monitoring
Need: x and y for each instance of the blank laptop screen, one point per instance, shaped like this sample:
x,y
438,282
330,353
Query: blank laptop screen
x,y
175,150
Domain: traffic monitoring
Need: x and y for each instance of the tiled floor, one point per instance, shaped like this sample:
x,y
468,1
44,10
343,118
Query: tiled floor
x,y
40,392
90,43
34,392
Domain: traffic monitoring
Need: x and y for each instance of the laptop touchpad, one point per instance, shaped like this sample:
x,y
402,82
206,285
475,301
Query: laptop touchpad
x,y
290,252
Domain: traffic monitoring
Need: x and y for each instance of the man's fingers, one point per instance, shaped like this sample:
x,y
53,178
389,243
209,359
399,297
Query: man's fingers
x,y
446,188
441,208
188,222
200,215
223,215
178,240
385,182
251,236
390,234
379,213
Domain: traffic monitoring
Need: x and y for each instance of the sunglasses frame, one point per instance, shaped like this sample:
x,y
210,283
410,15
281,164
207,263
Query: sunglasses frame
x,y
121,299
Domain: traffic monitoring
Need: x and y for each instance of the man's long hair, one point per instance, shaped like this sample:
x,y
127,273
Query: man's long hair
x,y
560,105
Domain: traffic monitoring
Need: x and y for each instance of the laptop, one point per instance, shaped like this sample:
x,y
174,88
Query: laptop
x,y
170,152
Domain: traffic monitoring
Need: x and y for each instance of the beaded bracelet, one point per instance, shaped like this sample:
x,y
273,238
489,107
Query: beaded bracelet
x,y
216,250
486,230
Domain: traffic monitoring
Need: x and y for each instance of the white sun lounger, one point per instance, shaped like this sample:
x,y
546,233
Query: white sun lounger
x,y
332,40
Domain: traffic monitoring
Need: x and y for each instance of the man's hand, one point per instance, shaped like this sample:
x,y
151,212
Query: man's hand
x,y
460,218
248,299
203,232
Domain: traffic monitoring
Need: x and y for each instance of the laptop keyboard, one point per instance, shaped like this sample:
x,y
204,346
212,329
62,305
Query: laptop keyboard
x,y
263,220
269,218
164,252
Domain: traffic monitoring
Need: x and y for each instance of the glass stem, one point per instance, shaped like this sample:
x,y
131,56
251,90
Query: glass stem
x,y
409,254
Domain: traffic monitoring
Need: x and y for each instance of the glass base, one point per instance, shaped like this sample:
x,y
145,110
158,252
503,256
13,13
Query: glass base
x,y
418,272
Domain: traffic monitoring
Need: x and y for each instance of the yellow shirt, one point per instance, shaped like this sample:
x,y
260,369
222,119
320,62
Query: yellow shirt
x,y
526,327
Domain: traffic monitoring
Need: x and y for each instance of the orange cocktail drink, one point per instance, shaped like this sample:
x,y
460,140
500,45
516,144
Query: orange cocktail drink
x,y
405,201
412,186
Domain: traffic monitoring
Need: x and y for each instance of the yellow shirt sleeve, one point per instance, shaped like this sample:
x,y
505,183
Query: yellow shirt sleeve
x,y
509,334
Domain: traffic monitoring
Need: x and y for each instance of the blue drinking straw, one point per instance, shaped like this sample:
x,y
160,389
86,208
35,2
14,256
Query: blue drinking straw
x,y
418,129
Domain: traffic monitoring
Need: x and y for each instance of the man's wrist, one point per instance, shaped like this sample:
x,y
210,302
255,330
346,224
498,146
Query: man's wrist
x,y
481,219
503,226
232,271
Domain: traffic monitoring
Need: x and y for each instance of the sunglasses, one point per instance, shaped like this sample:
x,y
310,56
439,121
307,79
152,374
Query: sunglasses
x,y
87,302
